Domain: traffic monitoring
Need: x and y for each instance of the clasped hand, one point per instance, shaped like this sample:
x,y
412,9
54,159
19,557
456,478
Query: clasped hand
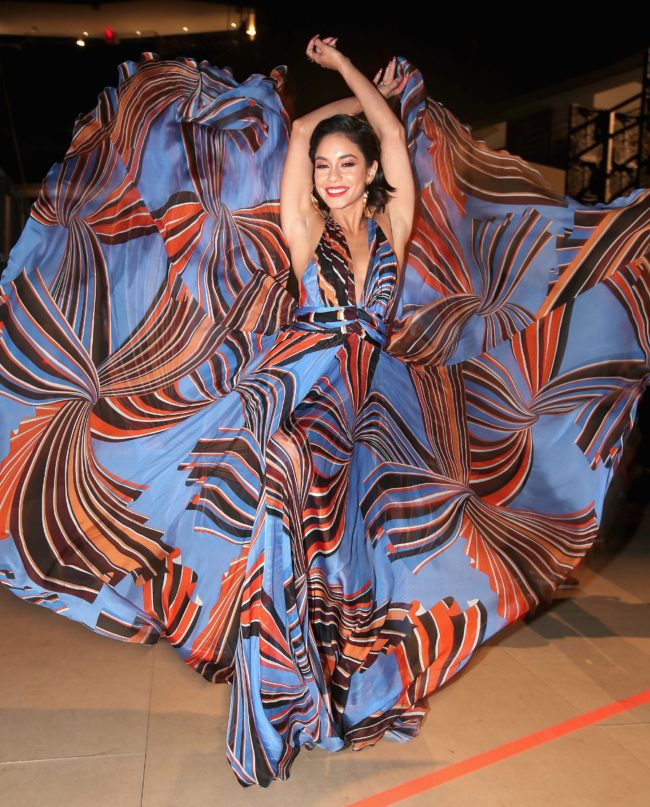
x,y
325,53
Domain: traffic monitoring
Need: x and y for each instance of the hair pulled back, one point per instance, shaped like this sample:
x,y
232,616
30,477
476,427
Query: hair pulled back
x,y
363,136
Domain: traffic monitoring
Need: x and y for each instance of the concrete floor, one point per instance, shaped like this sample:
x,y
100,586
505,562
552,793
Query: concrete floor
x,y
86,720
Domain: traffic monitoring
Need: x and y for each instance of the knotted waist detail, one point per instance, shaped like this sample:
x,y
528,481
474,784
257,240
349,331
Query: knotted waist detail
x,y
346,318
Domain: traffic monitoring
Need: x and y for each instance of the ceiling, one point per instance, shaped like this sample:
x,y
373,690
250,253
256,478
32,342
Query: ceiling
x,y
83,20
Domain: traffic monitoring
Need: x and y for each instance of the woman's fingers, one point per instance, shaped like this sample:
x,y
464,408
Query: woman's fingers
x,y
387,82
387,73
315,41
311,47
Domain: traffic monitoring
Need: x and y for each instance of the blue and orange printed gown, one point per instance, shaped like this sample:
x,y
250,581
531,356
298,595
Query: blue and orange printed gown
x,y
327,503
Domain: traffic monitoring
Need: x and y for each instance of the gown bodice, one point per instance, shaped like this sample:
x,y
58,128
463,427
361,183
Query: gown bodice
x,y
327,288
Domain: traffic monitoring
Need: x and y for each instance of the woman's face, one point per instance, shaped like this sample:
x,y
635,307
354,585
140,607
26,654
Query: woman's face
x,y
340,171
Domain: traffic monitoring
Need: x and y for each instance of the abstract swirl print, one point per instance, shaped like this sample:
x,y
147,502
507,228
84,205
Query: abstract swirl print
x,y
327,503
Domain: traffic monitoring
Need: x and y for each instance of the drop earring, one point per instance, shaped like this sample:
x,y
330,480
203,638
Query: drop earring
x,y
317,206
366,212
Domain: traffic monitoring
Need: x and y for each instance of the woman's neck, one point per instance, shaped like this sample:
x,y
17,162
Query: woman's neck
x,y
351,222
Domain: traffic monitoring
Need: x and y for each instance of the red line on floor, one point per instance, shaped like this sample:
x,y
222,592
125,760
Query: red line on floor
x,y
492,755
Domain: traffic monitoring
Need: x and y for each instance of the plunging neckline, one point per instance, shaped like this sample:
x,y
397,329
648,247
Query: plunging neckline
x,y
370,227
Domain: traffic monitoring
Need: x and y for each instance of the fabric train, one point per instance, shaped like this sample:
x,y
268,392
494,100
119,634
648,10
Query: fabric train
x,y
326,503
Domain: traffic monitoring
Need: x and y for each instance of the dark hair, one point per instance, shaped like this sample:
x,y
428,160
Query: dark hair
x,y
362,135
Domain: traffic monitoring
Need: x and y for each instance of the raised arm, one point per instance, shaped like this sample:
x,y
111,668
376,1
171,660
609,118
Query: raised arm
x,y
387,85
395,160
297,214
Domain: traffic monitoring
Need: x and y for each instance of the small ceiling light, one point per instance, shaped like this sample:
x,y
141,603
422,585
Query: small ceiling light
x,y
85,33
233,24
139,33
185,28
81,43
250,30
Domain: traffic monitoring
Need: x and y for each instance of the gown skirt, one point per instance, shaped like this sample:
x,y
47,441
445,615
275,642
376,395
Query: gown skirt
x,y
327,503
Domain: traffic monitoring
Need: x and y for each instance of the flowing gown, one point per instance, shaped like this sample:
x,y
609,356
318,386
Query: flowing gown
x,y
327,503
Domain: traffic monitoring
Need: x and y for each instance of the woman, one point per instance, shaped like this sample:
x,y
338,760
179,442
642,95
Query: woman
x,y
327,505
342,170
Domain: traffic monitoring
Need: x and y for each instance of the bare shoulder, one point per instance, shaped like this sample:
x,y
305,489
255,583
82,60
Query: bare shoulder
x,y
302,240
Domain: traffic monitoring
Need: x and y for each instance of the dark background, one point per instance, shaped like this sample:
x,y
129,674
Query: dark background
x,y
474,61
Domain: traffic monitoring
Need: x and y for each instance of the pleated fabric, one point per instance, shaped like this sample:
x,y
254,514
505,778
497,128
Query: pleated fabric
x,y
326,503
